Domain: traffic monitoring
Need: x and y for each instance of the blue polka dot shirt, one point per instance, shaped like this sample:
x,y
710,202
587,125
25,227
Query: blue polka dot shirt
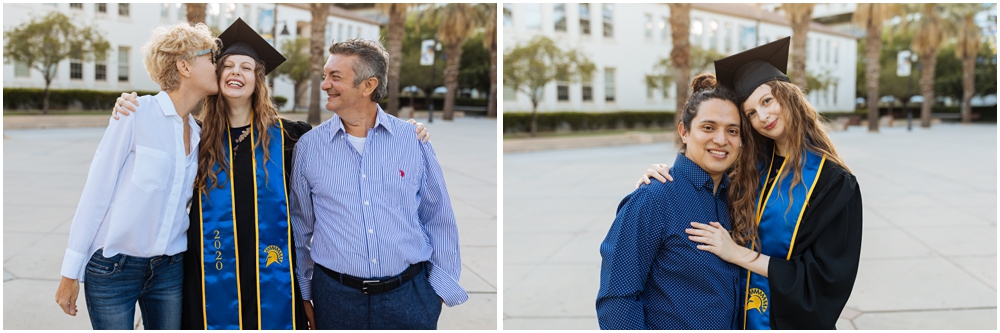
x,y
652,275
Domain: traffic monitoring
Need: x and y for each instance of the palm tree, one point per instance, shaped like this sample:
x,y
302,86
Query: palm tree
x,y
928,32
317,44
969,42
680,54
799,15
871,17
490,42
394,43
195,12
455,23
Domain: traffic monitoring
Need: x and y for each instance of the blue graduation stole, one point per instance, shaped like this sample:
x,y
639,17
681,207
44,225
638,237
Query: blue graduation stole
x,y
777,227
221,298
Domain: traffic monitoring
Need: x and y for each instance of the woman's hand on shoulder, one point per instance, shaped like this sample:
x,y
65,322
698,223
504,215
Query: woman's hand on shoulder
x,y
659,171
422,133
125,104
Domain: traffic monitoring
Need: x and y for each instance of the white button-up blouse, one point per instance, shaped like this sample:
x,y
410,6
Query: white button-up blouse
x,y
138,188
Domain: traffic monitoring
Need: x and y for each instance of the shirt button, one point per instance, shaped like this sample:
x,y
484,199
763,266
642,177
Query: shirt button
x,y
370,231
363,176
366,202
375,261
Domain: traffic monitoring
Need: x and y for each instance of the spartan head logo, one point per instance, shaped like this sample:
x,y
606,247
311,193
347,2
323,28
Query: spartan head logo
x,y
756,299
274,255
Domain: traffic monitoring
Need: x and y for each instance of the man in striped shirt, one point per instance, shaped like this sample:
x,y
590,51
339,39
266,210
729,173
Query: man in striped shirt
x,y
371,198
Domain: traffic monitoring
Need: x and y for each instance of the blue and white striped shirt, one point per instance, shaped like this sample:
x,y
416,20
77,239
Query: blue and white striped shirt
x,y
374,214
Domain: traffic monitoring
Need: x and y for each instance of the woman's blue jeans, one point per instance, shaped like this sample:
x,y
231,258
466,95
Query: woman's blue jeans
x,y
113,286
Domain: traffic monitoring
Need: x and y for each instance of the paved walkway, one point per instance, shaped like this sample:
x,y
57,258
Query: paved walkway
x,y
45,170
929,255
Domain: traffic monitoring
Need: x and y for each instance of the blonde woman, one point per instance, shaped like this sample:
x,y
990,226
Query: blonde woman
x,y
128,239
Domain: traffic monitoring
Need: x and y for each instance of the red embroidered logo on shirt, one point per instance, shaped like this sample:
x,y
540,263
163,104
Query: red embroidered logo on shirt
x,y
401,173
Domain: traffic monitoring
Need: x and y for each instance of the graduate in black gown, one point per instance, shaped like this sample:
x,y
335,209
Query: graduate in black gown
x,y
802,257
240,272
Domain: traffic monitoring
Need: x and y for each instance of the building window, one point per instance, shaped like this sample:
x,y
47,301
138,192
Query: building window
x,y
123,63
340,32
76,6
649,26
21,69
836,58
165,11
748,39
181,12
533,15
562,91
609,25
609,84
584,18
713,41
664,32
649,91
349,28
508,15
665,87
828,50
729,37
834,94
75,69
559,16
588,92
359,32
101,8
509,94
123,9
696,31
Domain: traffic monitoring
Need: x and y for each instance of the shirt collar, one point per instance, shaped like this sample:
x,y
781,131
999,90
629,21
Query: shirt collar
x,y
166,105
695,174
381,121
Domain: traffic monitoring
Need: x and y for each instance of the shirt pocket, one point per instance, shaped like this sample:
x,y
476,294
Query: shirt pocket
x,y
151,169
400,187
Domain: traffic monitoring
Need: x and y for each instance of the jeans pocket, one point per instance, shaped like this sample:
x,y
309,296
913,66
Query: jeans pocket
x,y
151,169
100,266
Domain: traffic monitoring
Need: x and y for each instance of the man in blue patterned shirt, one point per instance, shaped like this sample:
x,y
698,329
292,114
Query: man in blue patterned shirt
x,y
652,275
370,209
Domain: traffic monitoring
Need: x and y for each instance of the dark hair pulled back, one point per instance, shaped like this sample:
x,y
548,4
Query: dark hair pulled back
x,y
704,87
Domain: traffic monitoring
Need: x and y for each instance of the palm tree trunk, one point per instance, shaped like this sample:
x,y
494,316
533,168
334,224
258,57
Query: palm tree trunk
x,y
195,12
394,35
680,54
928,60
317,31
491,106
968,86
873,48
454,52
799,14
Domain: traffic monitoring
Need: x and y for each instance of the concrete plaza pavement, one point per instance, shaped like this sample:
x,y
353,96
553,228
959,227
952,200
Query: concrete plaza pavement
x,y
929,253
45,171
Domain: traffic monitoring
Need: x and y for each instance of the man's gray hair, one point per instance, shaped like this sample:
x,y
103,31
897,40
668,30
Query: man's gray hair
x,y
372,62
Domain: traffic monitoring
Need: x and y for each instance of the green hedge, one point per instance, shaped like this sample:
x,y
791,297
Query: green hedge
x,y
514,122
60,99
419,103
987,114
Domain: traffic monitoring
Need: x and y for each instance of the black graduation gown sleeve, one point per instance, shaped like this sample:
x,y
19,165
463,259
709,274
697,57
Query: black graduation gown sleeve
x,y
810,290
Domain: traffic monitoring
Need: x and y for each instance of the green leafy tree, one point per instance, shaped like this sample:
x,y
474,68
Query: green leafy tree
x,y
929,27
296,66
475,65
455,22
317,56
411,73
871,17
968,42
528,67
43,42
700,61
394,45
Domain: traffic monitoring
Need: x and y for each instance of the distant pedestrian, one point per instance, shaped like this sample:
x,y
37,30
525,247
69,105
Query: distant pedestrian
x,y
372,200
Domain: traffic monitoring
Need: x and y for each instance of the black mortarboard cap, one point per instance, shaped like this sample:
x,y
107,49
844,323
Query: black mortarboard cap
x,y
239,38
747,70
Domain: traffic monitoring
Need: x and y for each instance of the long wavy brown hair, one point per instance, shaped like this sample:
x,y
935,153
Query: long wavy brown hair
x,y
803,130
215,122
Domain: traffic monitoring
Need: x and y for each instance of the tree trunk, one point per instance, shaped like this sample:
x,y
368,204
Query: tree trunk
x,y
680,54
929,60
394,35
491,106
299,90
873,48
317,44
799,15
195,12
968,86
454,52
45,97
534,118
